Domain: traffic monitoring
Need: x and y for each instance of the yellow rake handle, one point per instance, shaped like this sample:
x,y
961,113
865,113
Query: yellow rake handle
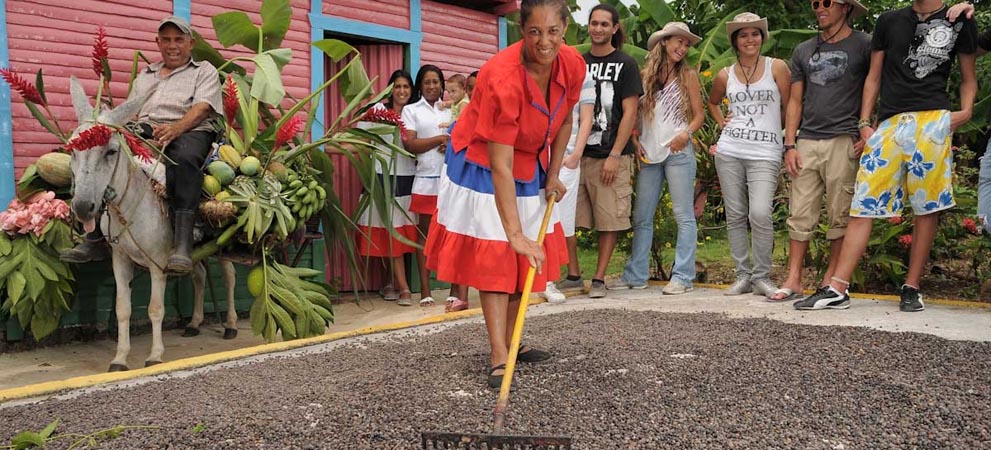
x,y
514,344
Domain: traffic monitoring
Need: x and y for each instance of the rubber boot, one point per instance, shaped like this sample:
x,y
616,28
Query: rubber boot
x,y
93,248
180,261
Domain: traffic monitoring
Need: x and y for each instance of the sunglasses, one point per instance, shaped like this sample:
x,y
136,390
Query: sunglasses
x,y
826,4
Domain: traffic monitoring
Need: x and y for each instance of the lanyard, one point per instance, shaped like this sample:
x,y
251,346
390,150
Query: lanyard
x,y
551,115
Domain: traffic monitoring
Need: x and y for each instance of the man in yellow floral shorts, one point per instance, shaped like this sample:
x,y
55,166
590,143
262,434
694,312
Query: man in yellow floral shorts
x,y
907,160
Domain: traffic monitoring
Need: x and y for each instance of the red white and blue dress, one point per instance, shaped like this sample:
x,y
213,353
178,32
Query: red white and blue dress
x,y
467,243
374,237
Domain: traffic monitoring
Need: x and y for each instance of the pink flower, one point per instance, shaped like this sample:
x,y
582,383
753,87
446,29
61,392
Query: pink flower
x,y
288,131
896,220
27,90
137,147
230,101
970,225
386,116
96,136
905,240
33,216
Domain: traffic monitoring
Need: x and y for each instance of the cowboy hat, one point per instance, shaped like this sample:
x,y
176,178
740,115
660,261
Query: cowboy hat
x,y
672,29
858,8
746,20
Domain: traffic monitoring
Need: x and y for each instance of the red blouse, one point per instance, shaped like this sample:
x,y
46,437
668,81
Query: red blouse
x,y
509,108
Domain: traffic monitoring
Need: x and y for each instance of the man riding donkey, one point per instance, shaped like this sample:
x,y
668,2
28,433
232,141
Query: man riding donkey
x,y
183,99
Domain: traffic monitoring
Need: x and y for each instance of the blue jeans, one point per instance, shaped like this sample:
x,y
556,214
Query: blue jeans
x,y
679,171
984,190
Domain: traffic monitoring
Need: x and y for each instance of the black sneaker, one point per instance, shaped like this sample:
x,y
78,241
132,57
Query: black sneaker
x,y
911,299
824,298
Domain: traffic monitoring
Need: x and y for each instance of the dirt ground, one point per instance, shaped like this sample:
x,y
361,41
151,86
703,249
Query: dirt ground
x,y
619,379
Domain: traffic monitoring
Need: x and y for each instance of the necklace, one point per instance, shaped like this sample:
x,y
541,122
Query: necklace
x,y
666,74
743,68
922,16
820,41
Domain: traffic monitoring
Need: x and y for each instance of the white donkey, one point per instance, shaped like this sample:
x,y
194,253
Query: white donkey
x,y
136,225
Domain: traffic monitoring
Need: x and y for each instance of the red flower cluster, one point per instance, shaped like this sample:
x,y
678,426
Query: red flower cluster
x,y
288,131
96,136
101,51
137,147
27,90
896,220
905,240
385,115
970,225
230,100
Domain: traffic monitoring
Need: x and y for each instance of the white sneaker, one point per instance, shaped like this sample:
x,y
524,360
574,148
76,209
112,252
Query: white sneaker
x,y
552,294
676,287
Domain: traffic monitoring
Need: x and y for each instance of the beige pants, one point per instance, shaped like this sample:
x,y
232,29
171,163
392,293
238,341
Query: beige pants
x,y
601,207
830,166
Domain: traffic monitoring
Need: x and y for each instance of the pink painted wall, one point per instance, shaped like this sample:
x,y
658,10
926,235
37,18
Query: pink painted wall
x,y
458,40
390,13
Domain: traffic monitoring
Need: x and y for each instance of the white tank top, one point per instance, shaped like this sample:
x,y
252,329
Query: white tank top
x,y
669,121
754,131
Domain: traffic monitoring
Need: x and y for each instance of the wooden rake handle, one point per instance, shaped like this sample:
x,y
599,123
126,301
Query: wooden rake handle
x,y
514,345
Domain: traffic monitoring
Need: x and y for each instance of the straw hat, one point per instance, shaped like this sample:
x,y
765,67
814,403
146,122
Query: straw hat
x,y
746,20
672,29
858,8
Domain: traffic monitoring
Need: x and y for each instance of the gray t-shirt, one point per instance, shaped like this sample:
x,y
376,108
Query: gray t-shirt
x,y
834,83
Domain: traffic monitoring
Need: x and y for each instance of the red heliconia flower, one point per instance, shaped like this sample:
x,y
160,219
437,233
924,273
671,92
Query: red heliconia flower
x,y
970,225
230,100
385,115
288,131
96,136
896,220
27,90
101,51
905,240
137,147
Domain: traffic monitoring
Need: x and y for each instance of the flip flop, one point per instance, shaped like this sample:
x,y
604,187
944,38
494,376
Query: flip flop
x,y
455,304
407,301
427,301
789,295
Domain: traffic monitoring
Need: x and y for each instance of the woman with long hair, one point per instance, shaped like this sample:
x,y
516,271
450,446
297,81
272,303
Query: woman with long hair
x,y
504,158
670,113
375,238
748,153
428,141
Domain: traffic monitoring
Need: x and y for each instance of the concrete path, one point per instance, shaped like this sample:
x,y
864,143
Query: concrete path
x,y
950,320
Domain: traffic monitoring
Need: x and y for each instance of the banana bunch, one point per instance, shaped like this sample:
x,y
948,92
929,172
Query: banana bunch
x,y
263,206
306,195
288,303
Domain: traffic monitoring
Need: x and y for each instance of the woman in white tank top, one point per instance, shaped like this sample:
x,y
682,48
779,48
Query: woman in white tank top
x,y
748,153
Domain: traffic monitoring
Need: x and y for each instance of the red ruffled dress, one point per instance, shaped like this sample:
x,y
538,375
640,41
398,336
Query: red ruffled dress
x,y
467,243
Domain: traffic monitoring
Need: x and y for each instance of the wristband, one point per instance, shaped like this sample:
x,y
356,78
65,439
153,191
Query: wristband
x,y
790,147
615,156
863,123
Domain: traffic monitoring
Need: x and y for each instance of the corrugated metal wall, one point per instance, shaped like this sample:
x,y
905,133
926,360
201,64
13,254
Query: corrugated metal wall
x,y
380,61
57,36
458,40
391,13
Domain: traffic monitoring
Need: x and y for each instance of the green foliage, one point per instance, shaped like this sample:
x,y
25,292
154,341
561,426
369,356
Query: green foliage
x,y
36,287
41,439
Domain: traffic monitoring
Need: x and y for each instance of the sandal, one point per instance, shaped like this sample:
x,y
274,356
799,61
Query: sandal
x,y
495,381
788,293
454,304
427,301
532,355
389,293
405,298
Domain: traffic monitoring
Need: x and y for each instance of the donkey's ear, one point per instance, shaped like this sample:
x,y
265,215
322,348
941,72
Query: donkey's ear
x,y
84,110
124,112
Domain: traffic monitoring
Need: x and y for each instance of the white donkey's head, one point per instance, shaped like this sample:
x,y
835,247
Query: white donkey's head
x,y
93,167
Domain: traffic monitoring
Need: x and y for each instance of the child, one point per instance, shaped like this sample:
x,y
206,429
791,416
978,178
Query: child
x,y
456,98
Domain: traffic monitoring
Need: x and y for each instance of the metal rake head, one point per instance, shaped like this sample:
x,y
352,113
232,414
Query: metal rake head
x,y
462,441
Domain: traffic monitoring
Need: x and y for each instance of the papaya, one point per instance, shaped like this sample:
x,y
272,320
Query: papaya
x,y
55,169
221,171
229,155
250,166
279,170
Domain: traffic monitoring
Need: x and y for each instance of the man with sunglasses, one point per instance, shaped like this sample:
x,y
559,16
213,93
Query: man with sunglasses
x,y
907,159
827,80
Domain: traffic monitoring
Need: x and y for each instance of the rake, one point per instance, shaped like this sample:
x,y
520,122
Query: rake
x,y
430,440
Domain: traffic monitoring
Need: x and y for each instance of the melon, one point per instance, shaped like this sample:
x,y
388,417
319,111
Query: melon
x,y
55,169
222,195
250,166
210,185
279,170
229,155
221,171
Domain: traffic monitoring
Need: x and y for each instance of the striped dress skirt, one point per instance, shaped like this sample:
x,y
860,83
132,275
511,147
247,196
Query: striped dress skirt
x,y
467,244
373,236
